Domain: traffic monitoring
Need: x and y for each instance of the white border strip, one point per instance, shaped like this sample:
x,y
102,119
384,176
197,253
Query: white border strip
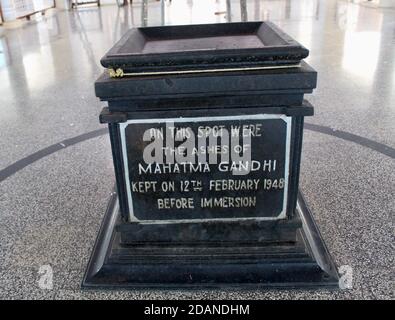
x,y
287,120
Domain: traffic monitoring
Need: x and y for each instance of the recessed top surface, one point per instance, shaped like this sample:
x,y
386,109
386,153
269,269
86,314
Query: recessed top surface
x,y
207,46
202,43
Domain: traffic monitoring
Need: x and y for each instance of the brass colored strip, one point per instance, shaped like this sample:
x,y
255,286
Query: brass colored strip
x,y
118,73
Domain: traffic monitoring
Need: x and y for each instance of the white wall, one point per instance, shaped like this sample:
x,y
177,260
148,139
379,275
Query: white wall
x,y
386,3
66,4
13,9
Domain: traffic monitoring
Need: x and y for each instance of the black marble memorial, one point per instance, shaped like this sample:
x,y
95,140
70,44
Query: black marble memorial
x,y
206,126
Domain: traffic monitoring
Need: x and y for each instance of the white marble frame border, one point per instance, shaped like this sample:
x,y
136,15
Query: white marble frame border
x,y
286,119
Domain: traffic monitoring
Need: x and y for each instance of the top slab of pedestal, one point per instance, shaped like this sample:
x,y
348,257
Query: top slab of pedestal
x,y
207,46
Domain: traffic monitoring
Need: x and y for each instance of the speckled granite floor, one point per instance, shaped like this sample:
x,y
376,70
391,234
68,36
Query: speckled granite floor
x,y
51,209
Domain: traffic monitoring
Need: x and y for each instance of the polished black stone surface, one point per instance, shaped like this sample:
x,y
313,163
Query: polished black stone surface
x,y
189,188
171,209
126,169
206,46
275,87
304,263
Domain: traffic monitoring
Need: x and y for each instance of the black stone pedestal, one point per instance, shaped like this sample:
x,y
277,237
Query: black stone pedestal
x,y
206,128
304,263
